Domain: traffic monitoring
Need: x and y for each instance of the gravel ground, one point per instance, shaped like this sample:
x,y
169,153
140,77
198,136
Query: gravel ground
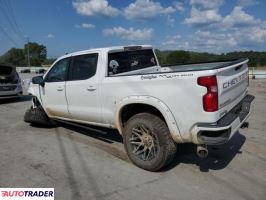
x,y
81,164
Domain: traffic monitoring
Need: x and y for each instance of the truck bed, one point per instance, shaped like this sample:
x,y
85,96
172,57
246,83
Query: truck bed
x,y
184,68
200,66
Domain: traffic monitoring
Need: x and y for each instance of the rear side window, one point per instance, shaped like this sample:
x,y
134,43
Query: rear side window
x,y
83,67
126,61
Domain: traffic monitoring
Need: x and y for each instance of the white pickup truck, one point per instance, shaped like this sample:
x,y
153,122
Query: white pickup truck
x,y
154,108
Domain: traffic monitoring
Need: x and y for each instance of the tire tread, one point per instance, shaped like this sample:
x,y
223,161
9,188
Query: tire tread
x,y
37,116
170,145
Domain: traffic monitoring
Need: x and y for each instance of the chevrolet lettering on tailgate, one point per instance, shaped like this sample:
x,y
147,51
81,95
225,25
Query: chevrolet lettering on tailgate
x,y
235,81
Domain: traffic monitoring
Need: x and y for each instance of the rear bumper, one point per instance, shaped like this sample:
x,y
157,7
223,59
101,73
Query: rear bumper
x,y
10,91
221,131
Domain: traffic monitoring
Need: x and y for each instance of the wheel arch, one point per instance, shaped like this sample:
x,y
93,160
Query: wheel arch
x,y
146,104
35,92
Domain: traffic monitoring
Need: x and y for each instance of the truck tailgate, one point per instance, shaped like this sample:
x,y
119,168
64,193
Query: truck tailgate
x,y
232,85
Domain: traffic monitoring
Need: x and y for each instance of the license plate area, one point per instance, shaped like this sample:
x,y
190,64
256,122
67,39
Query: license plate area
x,y
241,110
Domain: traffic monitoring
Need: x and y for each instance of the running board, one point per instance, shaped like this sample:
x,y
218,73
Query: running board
x,y
82,126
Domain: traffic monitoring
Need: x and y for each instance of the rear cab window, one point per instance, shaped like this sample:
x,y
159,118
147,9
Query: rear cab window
x,y
130,60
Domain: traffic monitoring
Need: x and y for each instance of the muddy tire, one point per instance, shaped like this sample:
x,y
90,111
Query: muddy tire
x,y
148,142
37,116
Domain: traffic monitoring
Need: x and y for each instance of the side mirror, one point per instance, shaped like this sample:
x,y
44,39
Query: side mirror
x,y
38,80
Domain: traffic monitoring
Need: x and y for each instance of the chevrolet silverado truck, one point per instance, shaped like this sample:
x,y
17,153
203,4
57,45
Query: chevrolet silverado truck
x,y
10,82
153,107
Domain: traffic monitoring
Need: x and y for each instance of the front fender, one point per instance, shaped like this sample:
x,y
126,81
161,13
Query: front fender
x,y
34,90
156,103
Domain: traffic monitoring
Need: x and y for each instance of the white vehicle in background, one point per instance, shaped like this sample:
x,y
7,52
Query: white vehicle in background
x,y
10,82
154,108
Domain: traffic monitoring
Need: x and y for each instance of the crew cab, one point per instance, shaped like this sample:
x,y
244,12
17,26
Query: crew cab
x,y
153,107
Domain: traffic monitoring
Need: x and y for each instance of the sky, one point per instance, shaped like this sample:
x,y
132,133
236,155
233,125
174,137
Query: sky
x,y
215,26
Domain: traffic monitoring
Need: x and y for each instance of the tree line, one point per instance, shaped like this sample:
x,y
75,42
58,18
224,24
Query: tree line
x,y
32,54
38,56
256,59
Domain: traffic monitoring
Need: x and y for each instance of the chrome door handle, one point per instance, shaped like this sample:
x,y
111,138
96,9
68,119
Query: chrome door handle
x,y
91,88
60,89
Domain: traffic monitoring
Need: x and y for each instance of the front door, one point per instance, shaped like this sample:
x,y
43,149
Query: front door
x,y
53,92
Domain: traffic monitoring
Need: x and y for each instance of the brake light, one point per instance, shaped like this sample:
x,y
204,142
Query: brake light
x,y
210,99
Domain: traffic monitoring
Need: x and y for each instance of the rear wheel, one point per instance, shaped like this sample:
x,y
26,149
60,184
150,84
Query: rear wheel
x,y
148,142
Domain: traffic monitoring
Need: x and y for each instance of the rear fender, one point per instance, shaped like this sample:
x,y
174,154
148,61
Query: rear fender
x,y
156,103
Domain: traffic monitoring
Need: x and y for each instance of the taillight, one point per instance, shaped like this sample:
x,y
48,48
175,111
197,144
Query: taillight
x,y
210,99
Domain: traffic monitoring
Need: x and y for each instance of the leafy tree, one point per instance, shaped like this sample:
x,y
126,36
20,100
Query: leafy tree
x,y
37,53
178,57
172,57
49,61
160,56
14,57
18,57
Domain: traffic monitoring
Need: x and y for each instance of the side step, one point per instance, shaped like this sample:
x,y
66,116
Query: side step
x,y
82,126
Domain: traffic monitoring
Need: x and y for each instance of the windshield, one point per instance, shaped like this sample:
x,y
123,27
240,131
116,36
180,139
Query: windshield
x,y
126,61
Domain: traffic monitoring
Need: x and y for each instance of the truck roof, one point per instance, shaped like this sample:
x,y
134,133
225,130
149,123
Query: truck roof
x,y
105,49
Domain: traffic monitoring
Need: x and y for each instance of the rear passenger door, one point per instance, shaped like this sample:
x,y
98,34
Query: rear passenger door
x,y
82,91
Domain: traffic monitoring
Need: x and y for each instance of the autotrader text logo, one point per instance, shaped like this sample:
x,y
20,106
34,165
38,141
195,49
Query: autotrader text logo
x,y
26,193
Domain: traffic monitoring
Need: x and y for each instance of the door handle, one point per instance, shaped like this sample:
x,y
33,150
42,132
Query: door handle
x,y
91,88
60,89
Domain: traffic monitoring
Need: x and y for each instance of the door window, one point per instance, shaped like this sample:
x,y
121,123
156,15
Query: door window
x,y
58,72
83,67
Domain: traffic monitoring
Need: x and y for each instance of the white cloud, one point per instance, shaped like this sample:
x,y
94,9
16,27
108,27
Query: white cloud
x,y
204,12
170,21
95,7
214,40
146,9
206,4
50,36
220,39
172,42
129,34
203,41
251,36
179,6
87,26
246,30
203,17
238,17
258,35
238,30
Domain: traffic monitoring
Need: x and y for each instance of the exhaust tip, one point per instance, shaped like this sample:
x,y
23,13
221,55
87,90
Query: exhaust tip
x,y
202,151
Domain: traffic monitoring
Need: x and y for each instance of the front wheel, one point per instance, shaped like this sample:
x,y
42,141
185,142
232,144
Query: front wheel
x,y
37,116
148,142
